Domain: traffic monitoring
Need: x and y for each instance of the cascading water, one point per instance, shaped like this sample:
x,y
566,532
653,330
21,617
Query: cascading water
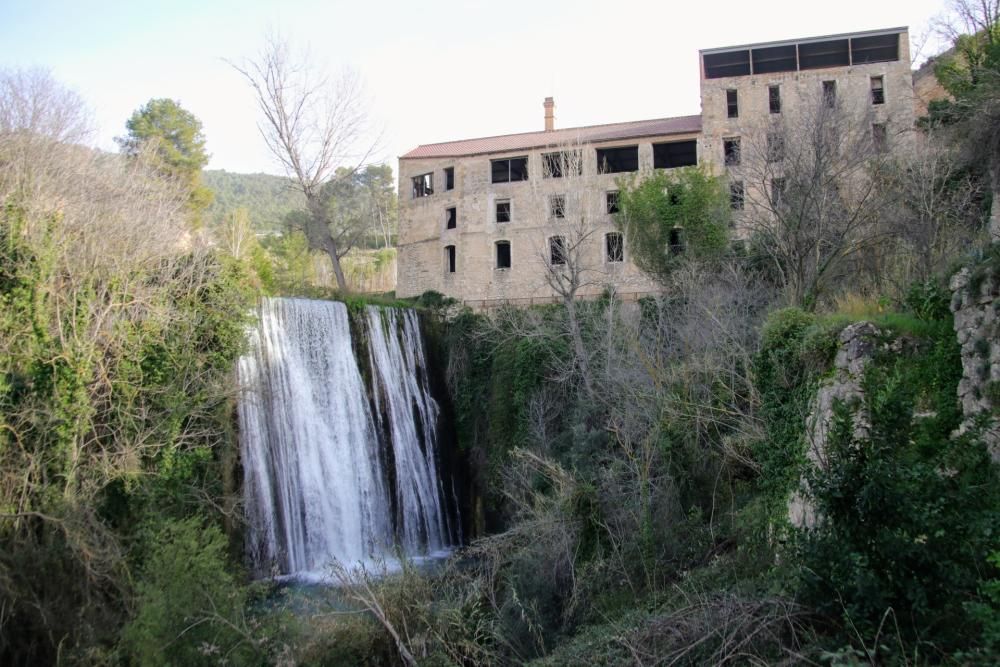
x,y
335,470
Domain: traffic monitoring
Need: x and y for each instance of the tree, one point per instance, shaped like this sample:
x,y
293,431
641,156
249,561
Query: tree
x,y
33,103
174,138
313,126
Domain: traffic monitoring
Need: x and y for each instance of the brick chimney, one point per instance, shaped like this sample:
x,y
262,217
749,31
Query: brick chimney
x,y
550,118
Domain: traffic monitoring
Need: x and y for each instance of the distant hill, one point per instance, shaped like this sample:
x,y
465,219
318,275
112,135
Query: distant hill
x,y
267,197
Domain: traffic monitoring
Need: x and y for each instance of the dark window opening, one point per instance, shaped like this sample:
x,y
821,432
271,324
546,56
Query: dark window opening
x,y
830,93
557,206
451,218
503,210
503,254
614,245
616,160
816,55
880,137
732,103
510,169
612,202
774,98
676,242
674,199
777,191
449,178
875,49
878,90
423,185
449,251
736,196
775,147
732,63
675,154
731,151
557,250
556,165
774,59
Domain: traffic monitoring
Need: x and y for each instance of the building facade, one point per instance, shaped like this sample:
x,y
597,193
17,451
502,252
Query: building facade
x,y
488,220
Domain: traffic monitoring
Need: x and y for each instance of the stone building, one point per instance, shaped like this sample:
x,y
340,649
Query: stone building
x,y
487,220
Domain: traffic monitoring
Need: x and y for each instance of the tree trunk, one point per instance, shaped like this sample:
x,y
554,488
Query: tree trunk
x,y
331,250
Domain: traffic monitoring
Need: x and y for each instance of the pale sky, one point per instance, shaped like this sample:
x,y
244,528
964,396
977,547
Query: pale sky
x,y
434,70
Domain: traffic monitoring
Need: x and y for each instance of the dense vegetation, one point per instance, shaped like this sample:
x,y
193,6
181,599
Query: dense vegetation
x,y
266,198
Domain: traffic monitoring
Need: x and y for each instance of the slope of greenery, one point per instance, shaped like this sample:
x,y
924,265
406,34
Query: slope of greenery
x,y
268,198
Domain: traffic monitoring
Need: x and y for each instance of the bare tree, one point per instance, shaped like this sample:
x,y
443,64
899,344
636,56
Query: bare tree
x,y
32,102
313,126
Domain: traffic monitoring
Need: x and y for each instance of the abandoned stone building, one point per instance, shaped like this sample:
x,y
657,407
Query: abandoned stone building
x,y
487,220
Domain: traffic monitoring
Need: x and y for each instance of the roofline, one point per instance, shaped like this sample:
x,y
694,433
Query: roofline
x,y
806,40
558,143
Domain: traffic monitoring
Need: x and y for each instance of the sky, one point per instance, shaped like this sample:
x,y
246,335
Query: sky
x,y
433,71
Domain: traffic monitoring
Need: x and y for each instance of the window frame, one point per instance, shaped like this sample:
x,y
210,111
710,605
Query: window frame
x,y
737,196
496,255
611,201
659,156
451,217
731,158
877,94
510,169
557,250
450,259
449,178
496,211
732,103
621,151
608,256
774,98
426,186
557,212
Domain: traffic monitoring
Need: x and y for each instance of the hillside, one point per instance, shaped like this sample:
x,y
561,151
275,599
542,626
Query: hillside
x,y
267,197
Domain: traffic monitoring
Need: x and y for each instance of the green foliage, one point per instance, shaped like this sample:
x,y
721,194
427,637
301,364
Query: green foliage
x,y
674,216
268,198
928,300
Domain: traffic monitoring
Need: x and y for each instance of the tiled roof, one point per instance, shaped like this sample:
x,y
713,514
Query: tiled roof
x,y
570,135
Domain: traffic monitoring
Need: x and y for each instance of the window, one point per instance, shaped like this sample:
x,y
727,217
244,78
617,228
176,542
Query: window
x,y
769,59
555,165
736,195
614,247
730,63
878,90
875,49
451,218
612,202
449,258
615,160
675,154
830,93
774,98
731,151
510,169
503,210
775,147
732,103
449,178
423,185
880,137
675,241
817,55
557,206
777,191
557,250
503,254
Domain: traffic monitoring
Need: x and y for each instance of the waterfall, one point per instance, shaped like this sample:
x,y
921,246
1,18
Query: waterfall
x,y
337,468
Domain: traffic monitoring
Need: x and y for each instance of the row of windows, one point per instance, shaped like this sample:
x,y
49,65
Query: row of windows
x,y
876,96
557,209
668,155
614,251
775,152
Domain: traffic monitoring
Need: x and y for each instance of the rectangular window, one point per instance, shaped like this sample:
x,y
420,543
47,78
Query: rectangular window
x,y
675,241
616,160
555,165
614,247
875,49
423,185
612,202
817,55
880,137
557,206
775,147
557,250
830,93
732,103
736,195
503,254
449,258
449,178
777,191
509,169
675,154
731,63
878,90
451,218
731,151
774,98
503,210
767,59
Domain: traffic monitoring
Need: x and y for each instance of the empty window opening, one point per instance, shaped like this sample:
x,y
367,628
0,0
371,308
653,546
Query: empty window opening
x,y
449,258
675,241
557,250
875,49
557,206
878,90
675,154
775,59
880,137
777,191
731,63
556,165
732,103
832,53
774,98
503,210
503,254
423,185
449,178
736,196
509,169
775,147
612,202
614,246
731,151
451,218
616,160
830,93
